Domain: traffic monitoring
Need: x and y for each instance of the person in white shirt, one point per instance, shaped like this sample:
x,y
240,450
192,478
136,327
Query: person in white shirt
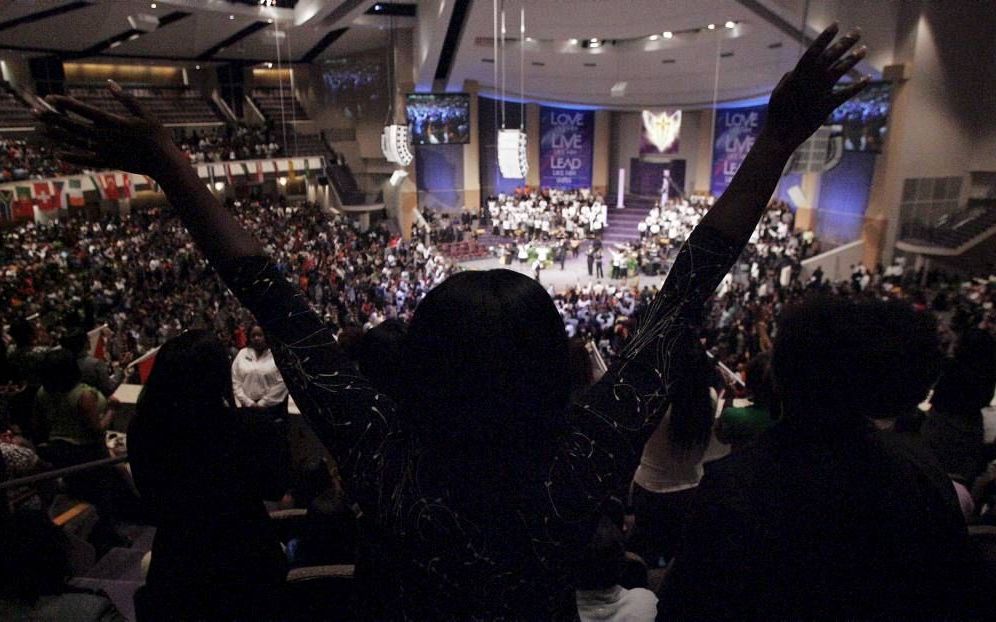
x,y
256,382
598,595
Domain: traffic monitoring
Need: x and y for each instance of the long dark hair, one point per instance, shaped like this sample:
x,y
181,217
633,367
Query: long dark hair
x,y
487,366
692,413
191,375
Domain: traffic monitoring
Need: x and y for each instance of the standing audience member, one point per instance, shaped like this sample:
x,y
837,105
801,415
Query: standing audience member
x,y
256,380
953,431
832,517
203,482
740,425
599,595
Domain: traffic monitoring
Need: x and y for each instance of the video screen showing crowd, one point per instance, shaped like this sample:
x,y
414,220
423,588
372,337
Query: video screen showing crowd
x,y
701,429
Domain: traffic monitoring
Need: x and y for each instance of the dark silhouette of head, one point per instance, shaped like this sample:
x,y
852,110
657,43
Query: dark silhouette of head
x,y
380,355
60,371
968,379
22,331
488,365
839,362
75,341
191,375
34,557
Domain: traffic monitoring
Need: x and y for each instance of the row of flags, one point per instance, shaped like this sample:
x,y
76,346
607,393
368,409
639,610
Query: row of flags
x,y
18,199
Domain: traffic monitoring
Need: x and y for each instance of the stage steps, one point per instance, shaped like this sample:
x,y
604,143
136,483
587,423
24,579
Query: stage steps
x,y
622,223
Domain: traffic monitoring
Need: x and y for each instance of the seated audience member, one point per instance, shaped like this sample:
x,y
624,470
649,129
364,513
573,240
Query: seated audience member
x,y
953,432
599,572
825,516
34,566
76,417
215,553
93,371
479,493
738,426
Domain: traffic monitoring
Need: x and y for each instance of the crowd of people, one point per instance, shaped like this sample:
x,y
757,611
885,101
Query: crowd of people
x,y
237,141
549,214
127,273
21,160
488,471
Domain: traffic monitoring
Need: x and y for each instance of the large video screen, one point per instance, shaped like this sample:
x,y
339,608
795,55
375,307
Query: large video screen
x,y
439,118
865,118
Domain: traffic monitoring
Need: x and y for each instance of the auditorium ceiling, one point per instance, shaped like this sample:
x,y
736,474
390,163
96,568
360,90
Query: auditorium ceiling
x,y
623,54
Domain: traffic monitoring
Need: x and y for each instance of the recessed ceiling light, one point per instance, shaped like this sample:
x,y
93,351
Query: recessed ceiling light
x,y
152,6
711,26
668,34
593,40
654,37
231,17
530,39
197,66
269,21
573,41
730,24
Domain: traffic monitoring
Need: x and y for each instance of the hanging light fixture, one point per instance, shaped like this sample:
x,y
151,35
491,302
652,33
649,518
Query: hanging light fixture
x,y
395,140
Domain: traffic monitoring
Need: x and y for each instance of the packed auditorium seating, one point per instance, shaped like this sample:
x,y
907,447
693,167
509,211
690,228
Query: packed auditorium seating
x,y
14,112
173,106
278,106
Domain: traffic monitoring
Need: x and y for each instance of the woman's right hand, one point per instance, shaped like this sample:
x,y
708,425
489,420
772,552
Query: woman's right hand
x,y
136,142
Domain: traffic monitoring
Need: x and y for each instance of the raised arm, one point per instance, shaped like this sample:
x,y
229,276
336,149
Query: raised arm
x,y
351,418
616,417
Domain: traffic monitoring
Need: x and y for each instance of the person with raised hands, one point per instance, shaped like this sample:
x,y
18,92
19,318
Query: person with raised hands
x,y
479,492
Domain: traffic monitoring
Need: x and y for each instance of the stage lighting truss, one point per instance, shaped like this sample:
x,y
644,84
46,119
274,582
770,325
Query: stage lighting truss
x,y
512,159
396,144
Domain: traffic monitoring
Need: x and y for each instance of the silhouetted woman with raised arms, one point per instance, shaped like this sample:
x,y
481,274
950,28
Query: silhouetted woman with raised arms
x,y
482,485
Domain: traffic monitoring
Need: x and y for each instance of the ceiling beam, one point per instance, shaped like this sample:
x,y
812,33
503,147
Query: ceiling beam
x,y
47,13
451,42
330,37
253,28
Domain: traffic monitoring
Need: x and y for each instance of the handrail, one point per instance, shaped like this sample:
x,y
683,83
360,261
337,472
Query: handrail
x,y
57,473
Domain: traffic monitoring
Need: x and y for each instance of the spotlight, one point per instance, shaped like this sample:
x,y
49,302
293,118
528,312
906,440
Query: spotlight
x,y
231,17
711,26
573,42
654,37
730,24
594,43
668,34
282,181
152,6
219,186
197,66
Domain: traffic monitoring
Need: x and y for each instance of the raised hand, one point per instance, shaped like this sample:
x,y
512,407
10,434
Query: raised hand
x,y
89,137
806,96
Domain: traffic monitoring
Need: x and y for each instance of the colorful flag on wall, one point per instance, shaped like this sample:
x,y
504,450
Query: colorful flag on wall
x,y
22,207
228,174
58,200
6,204
290,169
127,187
43,196
110,187
97,186
74,192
